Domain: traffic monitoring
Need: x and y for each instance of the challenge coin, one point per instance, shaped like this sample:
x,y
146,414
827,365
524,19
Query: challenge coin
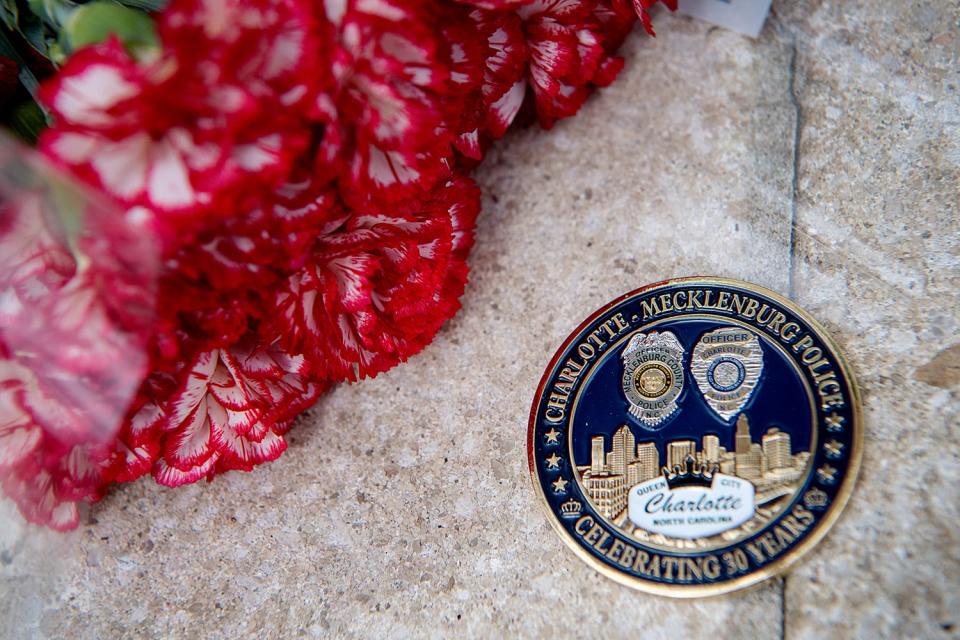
x,y
695,436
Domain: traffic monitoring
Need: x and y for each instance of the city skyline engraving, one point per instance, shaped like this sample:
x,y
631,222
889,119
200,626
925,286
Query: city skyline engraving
x,y
775,471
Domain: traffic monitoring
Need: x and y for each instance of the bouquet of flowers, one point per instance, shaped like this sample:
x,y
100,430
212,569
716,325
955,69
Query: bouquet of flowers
x,y
277,198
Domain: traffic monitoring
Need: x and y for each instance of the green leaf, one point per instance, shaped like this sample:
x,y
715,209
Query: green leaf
x,y
95,21
36,34
28,121
9,13
27,79
69,203
53,12
151,6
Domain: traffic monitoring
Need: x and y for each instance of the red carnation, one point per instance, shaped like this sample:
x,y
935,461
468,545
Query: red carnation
x,y
203,128
77,303
230,411
566,54
377,289
388,135
250,250
210,290
562,49
294,164
503,83
140,439
45,478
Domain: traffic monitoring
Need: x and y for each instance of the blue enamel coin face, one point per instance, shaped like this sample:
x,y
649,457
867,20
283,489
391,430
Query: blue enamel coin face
x,y
695,437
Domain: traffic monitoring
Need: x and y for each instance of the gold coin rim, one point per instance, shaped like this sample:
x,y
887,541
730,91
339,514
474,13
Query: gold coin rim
x,y
782,564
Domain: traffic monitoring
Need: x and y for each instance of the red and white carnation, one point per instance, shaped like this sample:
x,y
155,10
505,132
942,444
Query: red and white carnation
x,y
230,411
377,288
301,169
74,323
211,290
567,54
388,133
199,130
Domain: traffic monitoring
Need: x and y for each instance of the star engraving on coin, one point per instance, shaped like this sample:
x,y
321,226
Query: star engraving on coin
x,y
827,474
834,422
834,448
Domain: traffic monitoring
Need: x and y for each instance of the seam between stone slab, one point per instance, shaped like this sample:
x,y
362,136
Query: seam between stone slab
x,y
791,259
783,608
794,180
794,193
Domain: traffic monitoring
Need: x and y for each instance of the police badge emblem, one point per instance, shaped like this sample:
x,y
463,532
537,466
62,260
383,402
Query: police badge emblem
x,y
652,376
726,364
695,437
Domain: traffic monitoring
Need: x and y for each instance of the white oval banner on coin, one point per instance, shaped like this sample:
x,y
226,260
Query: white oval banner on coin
x,y
652,376
727,363
691,510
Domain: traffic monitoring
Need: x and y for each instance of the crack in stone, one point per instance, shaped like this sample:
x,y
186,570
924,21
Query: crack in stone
x,y
794,193
783,608
794,188
791,276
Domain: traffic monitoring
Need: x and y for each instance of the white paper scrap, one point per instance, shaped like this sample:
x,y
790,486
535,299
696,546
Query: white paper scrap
x,y
742,16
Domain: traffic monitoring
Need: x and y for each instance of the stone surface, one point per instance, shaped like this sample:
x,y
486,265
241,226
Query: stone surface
x,y
820,160
877,261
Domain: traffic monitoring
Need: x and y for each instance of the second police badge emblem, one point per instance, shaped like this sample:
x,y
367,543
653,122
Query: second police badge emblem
x,y
652,376
695,437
